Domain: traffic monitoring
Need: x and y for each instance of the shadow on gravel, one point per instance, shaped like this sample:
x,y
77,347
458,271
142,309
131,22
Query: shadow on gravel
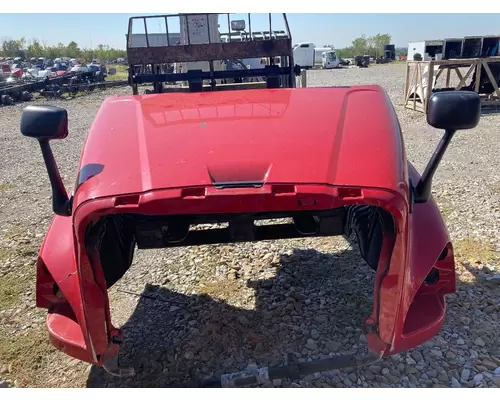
x,y
174,339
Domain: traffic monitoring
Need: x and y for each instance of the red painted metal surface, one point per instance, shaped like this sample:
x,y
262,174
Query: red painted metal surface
x,y
329,147
311,135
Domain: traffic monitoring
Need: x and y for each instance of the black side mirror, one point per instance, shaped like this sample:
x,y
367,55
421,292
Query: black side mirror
x,y
451,111
45,123
454,110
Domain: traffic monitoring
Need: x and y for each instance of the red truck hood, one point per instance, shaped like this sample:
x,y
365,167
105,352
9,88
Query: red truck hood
x,y
337,136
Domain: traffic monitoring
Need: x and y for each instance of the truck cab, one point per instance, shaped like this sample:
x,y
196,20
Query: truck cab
x,y
303,55
329,60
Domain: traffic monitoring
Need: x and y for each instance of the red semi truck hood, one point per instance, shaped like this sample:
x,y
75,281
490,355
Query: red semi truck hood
x,y
338,136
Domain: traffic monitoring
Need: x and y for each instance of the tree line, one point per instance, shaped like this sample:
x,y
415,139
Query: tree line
x,y
35,48
365,45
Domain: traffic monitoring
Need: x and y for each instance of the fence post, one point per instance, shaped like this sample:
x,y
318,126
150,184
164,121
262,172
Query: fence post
x,y
303,78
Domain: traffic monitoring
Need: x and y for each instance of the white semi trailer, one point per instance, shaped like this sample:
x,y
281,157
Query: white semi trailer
x,y
307,55
428,49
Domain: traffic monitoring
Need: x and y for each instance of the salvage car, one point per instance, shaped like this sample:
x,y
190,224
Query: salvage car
x,y
139,187
80,68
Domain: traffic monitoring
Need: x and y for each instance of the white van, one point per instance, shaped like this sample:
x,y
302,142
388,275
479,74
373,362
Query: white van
x,y
303,55
329,60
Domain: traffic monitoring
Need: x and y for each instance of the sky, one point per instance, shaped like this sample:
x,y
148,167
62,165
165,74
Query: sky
x,y
89,30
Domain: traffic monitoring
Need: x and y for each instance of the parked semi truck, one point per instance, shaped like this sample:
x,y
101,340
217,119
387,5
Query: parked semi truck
x,y
307,55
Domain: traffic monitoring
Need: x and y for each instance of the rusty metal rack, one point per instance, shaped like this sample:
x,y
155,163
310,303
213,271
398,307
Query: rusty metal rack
x,y
259,35
262,44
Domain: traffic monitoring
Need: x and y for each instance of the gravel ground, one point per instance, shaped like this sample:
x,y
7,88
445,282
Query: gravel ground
x,y
204,311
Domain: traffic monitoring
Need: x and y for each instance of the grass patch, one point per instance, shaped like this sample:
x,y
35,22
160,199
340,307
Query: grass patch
x,y
472,255
230,291
495,188
25,355
22,355
19,275
11,288
446,211
7,186
121,73
29,359
475,251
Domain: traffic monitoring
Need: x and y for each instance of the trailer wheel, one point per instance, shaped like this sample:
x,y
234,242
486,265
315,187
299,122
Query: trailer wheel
x,y
6,100
26,96
15,96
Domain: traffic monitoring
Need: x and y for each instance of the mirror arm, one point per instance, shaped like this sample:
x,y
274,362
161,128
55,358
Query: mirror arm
x,y
424,185
61,204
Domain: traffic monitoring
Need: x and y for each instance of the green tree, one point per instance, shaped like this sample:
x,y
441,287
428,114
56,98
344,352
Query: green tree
x,y
366,45
13,48
72,50
379,41
401,52
360,45
55,51
34,49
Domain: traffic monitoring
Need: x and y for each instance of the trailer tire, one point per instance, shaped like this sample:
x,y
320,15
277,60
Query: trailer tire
x,y
16,96
26,96
6,100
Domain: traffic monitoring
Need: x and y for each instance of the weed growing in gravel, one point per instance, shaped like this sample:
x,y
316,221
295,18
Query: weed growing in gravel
x,y
475,251
479,259
16,273
24,344
6,186
11,288
25,354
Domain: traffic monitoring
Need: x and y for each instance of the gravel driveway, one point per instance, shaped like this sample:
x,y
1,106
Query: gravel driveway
x,y
214,309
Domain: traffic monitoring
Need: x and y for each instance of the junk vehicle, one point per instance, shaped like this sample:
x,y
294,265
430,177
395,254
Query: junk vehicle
x,y
345,62
5,69
329,60
362,61
99,70
155,166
